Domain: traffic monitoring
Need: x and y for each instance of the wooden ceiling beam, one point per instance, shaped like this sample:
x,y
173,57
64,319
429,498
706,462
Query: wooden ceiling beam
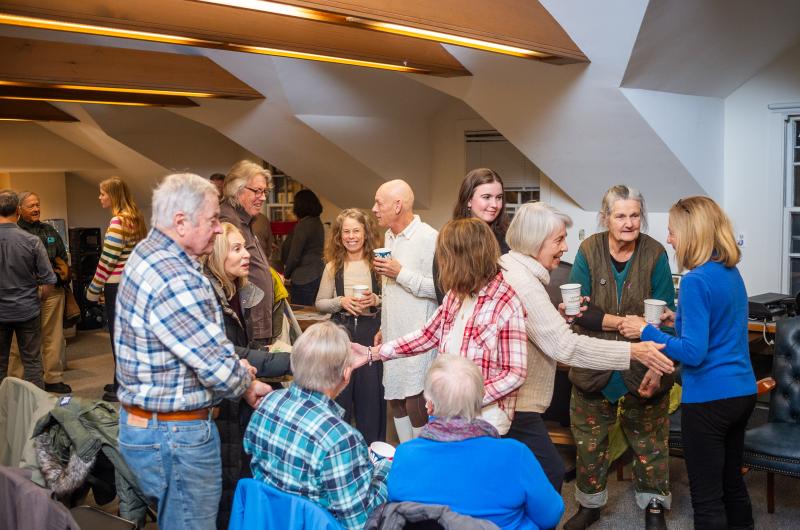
x,y
32,111
206,25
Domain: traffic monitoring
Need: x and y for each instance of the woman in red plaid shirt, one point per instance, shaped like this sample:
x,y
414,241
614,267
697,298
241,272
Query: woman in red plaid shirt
x,y
481,318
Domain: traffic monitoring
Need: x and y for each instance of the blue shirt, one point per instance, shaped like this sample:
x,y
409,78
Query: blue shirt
x,y
711,341
301,445
172,352
488,478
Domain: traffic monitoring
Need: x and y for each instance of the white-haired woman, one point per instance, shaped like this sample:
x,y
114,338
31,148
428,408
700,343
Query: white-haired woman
x,y
431,469
538,238
244,193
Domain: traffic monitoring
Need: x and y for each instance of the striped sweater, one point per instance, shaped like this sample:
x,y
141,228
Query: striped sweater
x,y
116,250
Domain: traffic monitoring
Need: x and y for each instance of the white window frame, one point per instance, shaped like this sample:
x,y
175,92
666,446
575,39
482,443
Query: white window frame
x,y
792,128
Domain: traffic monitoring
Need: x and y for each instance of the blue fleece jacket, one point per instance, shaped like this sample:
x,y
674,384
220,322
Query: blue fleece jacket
x,y
711,341
488,478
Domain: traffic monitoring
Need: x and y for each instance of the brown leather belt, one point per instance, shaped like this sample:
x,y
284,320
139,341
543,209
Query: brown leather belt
x,y
182,415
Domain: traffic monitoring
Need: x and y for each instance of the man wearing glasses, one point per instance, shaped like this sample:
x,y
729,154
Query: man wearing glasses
x,y
244,193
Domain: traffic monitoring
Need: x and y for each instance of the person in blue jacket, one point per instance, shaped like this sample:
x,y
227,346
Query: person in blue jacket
x,y
460,461
719,387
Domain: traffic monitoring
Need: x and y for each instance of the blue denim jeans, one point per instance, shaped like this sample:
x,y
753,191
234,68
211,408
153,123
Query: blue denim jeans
x,y
178,467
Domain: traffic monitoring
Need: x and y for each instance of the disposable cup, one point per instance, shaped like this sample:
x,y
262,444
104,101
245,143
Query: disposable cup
x,y
382,252
653,309
359,290
571,295
380,451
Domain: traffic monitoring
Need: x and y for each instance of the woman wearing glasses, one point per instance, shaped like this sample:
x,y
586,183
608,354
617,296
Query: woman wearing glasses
x,y
244,193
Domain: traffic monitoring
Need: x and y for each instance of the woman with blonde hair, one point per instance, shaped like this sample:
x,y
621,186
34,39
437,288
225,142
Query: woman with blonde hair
x,y
348,271
481,318
719,387
227,269
125,230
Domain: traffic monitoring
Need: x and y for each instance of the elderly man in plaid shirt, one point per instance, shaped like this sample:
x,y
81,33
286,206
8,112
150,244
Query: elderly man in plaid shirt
x,y
300,442
174,362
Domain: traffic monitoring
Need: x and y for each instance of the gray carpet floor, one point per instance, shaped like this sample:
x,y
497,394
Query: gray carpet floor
x,y
89,367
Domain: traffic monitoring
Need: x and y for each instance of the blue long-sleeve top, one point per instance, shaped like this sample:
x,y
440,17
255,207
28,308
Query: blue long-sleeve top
x,y
488,478
711,335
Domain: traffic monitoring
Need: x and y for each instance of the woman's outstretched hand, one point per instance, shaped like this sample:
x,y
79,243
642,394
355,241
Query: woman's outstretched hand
x,y
648,353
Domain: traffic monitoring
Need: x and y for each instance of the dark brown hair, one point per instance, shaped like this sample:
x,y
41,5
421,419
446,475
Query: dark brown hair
x,y
475,178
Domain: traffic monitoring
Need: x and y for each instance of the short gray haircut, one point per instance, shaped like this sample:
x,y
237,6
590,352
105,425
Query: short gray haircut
x,y
533,223
180,192
25,194
454,385
319,357
620,192
9,202
238,177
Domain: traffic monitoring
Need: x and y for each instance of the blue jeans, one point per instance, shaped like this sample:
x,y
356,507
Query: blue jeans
x,y
178,467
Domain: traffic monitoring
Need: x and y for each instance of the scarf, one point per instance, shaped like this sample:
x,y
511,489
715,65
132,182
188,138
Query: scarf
x,y
457,429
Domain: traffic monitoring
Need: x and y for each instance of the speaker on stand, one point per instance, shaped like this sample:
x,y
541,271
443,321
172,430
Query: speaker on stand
x,y
85,245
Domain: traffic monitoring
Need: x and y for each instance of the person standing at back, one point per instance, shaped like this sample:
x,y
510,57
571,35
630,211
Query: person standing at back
x,y
53,343
304,247
125,230
23,268
246,187
409,301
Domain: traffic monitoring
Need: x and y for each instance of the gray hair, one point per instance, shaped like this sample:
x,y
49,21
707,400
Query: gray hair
x,y
454,385
238,177
180,192
319,357
25,194
533,223
620,192
9,202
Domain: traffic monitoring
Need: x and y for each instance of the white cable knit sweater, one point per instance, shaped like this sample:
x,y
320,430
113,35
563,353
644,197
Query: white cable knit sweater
x,y
550,339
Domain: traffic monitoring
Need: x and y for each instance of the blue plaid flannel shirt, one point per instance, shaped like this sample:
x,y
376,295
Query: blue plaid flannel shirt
x,y
171,348
301,445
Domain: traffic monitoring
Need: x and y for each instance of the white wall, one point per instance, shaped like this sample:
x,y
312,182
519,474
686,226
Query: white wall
x,y
50,186
754,169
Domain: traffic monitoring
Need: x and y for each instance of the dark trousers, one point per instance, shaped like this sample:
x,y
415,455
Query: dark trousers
x,y
713,441
304,294
110,295
362,398
29,340
529,428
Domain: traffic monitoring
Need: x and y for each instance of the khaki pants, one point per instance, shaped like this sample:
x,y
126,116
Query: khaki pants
x,y
53,343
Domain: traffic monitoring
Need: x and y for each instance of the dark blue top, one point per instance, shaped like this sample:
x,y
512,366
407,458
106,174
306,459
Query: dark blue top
x,y
488,478
711,341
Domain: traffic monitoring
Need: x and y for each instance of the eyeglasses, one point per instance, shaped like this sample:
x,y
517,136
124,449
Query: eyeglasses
x,y
257,192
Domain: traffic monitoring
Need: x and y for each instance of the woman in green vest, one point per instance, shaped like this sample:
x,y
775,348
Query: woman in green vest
x,y
618,269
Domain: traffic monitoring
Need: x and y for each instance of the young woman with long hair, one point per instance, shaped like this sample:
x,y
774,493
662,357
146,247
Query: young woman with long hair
x,y
125,230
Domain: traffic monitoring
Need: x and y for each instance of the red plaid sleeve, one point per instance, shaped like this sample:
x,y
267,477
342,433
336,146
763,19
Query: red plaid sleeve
x,y
512,352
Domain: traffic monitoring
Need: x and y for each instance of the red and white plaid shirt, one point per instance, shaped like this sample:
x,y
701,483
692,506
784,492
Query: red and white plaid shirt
x,y
494,338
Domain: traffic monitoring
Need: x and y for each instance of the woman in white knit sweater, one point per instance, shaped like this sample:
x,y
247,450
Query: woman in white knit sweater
x,y
537,238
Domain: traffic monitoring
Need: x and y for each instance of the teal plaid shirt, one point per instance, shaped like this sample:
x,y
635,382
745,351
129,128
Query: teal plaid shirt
x,y
301,445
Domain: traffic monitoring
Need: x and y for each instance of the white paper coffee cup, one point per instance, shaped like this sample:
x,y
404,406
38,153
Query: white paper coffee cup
x,y
359,290
571,296
653,309
382,252
380,451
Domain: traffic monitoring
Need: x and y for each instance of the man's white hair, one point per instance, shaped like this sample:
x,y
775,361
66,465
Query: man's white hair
x,y
180,192
454,385
320,356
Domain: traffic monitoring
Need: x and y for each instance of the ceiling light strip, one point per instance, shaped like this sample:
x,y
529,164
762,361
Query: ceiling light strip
x,y
277,8
67,100
121,90
90,29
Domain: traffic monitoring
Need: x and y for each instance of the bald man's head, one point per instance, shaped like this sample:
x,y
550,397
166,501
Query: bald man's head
x,y
394,205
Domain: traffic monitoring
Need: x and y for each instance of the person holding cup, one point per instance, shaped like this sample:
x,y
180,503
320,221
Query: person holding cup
x,y
618,269
719,387
350,291
537,238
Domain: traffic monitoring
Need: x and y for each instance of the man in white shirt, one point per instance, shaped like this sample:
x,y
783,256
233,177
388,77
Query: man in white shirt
x,y
409,300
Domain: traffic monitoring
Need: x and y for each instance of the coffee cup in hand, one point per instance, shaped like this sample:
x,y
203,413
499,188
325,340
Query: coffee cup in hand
x,y
359,291
380,451
383,253
653,309
571,296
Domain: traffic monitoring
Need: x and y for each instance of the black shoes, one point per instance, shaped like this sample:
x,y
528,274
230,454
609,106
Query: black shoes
x,y
583,519
654,516
111,397
109,388
58,388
